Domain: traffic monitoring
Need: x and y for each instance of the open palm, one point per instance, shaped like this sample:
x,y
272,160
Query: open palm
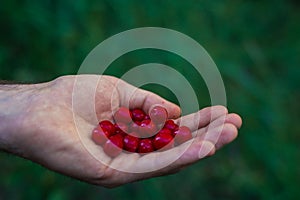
x,y
58,122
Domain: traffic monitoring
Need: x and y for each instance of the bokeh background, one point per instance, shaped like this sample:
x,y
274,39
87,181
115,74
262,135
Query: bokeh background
x,y
256,47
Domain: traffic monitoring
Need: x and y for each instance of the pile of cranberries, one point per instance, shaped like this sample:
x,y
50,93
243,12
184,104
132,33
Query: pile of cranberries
x,y
135,131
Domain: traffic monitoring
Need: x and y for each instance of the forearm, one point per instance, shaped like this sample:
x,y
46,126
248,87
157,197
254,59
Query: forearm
x,y
14,100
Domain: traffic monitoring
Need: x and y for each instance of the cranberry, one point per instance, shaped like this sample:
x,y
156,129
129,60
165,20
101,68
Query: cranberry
x,y
165,131
99,136
113,146
123,115
107,126
130,125
121,128
147,128
170,124
145,146
182,135
163,140
131,143
138,114
145,122
158,115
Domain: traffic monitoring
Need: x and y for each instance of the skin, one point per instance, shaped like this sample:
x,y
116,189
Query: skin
x,y
43,123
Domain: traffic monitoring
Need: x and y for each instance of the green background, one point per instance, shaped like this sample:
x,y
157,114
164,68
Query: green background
x,y
256,47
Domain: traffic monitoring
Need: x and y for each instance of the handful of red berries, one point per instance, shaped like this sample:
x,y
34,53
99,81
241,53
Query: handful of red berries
x,y
135,131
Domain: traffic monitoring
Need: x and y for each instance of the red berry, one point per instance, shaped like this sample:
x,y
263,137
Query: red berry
x,y
131,143
182,135
147,128
165,131
163,140
121,128
158,115
99,136
123,115
113,146
138,114
132,124
170,124
107,126
145,122
145,146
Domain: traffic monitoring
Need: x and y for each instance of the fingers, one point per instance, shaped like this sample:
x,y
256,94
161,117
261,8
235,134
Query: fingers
x,y
225,130
203,117
222,120
160,163
219,135
183,155
221,131
234,119
152,99
198,148
194,150
137,98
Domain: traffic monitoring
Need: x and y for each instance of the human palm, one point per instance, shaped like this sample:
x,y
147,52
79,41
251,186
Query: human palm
x,y
58,122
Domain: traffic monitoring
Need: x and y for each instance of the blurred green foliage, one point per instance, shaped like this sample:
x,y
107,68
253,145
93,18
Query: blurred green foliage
x,y
256,47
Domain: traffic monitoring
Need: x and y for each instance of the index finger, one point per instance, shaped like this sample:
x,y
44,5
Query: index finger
x,y
138,98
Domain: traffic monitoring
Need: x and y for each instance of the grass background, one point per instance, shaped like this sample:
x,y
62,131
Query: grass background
x,y
256,47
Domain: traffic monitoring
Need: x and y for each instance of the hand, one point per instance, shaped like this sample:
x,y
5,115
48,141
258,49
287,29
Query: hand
x,y
50,124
